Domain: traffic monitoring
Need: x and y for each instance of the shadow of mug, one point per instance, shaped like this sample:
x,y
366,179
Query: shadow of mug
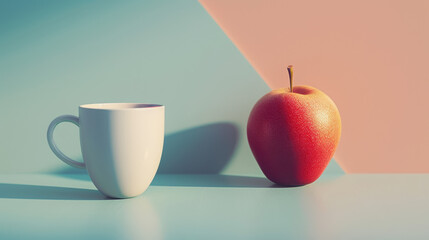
x,y
26,191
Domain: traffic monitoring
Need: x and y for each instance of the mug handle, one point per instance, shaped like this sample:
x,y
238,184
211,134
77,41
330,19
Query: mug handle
x,y
53,146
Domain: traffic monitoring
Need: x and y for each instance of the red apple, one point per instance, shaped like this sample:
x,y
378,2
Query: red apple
x,y
294,134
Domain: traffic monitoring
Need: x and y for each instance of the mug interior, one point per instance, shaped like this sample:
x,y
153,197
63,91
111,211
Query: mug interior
x,y
118,106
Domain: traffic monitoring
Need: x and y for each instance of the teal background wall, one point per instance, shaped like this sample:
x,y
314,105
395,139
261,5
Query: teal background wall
x,y
56,55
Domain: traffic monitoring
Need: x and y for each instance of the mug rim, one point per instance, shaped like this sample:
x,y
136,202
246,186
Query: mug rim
x,y
120,106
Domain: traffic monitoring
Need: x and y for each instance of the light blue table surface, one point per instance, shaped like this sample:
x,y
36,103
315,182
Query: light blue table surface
x,y
347,206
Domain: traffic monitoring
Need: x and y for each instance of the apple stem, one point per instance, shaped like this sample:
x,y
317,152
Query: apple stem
x,y
290,70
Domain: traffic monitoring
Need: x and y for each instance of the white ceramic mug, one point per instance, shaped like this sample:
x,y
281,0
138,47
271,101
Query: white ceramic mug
x,y
121,145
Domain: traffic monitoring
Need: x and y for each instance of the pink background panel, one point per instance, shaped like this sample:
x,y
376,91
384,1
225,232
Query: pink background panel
x,y
370,57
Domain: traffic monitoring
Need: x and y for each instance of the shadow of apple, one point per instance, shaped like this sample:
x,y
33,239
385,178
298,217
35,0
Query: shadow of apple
x,y
202,150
